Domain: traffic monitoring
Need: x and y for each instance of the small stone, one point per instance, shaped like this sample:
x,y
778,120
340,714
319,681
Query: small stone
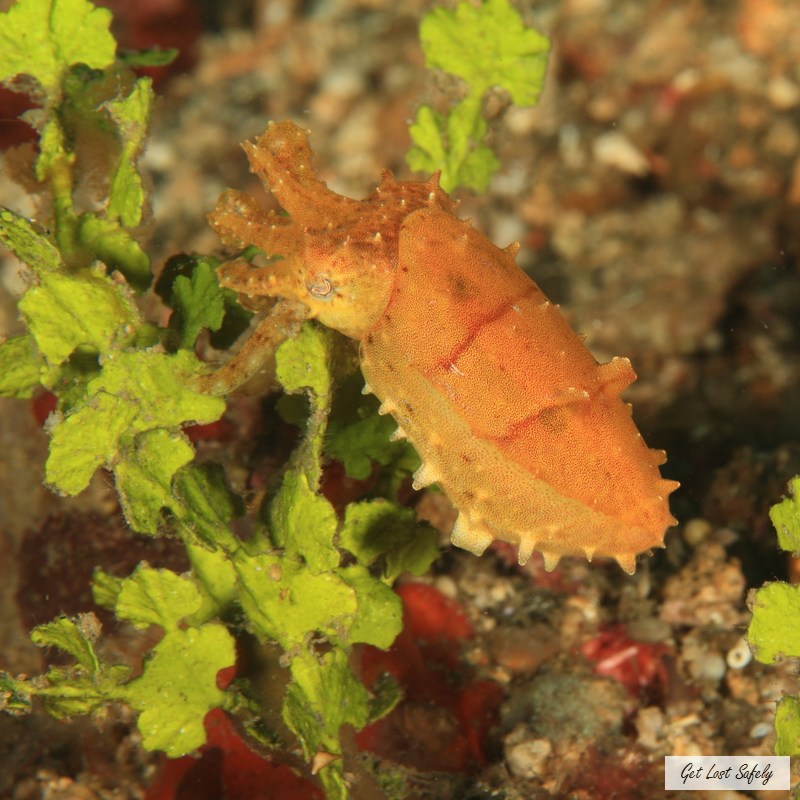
x,y
782,92
521,121
447,586
649,726
703,664
528,759
761,729
696,531
614,149
708,667
523,651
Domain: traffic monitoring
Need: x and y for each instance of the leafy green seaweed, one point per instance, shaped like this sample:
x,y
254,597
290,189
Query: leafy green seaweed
x,y
43,38
774,633
486,46
306,577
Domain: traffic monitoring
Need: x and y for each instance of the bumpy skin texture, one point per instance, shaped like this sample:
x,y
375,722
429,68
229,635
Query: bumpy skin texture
x,y
509,411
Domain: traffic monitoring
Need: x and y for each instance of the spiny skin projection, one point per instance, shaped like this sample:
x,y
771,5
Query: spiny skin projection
x,y
511,414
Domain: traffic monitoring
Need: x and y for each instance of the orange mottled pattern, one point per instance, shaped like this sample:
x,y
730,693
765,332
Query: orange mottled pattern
x,y
510,413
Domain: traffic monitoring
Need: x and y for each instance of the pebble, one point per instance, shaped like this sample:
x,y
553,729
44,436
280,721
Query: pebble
x,y
782,92
709,667
614,149
649,726
447,586
159,156
523,651
522,121
761,729
703,664
696,531
528,759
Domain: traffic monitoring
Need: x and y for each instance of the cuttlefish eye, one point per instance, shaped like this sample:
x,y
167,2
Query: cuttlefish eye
x,y
322,290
